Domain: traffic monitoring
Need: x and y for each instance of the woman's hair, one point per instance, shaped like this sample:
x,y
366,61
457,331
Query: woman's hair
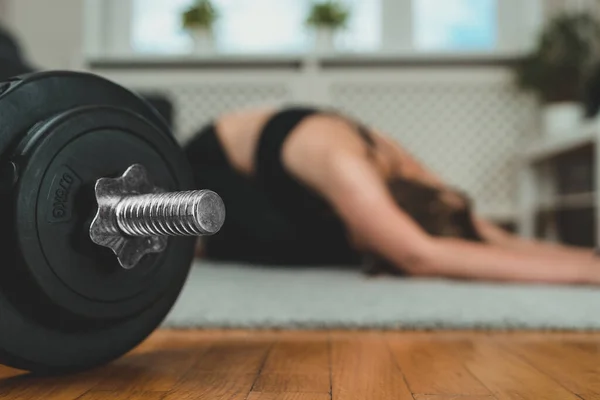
x,y
439,212
442,213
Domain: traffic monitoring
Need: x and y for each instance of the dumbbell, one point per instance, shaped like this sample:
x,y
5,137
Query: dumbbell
x,y
99,218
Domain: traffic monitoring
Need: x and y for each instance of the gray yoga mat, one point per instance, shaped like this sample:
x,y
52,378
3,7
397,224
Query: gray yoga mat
x,y
242,296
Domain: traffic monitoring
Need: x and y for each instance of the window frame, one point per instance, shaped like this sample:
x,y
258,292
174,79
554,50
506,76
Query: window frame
x,y
108,29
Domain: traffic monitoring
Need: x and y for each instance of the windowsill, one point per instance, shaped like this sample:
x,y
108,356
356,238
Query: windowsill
x,y
297,61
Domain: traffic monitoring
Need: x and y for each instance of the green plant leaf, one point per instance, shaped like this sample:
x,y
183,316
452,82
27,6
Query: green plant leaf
x,y
556,69
201,14
328,14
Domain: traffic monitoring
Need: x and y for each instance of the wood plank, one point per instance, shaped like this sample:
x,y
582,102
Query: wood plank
x,y
122,396
227,370
288,396
451,397
281,383
253,365
234,357
157,371
298,357
436,367
157,364
8,372
175,335
49,388
578,369
363,368
213,386
509,377
241,334
296,366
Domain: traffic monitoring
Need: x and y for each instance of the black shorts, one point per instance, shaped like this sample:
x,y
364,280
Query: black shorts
x,y
271,218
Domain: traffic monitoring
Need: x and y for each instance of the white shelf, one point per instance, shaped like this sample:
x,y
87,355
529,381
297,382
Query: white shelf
x,y
333,59
375,56
545,149
568,201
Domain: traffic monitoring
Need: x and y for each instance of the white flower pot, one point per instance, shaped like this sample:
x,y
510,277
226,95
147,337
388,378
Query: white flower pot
x,y
562,119
203,40
324,40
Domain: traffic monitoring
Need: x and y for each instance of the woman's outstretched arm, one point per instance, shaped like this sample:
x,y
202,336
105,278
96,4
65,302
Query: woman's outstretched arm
x,y
498,236
362,200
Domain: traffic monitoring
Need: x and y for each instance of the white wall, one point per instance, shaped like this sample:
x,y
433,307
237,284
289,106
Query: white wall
x,y
553,6
50,31
3,11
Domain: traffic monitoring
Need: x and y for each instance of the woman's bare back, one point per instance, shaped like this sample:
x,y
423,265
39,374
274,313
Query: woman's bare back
x,y
239,133
307,152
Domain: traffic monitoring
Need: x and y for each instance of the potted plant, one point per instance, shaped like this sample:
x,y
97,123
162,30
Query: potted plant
x,y
198,20
556,70
325,18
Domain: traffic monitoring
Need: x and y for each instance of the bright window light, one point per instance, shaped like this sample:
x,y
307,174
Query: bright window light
x,y
456,25
257,26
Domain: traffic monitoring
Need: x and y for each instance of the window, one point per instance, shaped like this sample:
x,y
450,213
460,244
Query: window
x,y
455,24
256,26
123,27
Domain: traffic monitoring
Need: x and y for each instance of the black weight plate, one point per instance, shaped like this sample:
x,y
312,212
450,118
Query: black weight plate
x,y
74,150
30,99
57,310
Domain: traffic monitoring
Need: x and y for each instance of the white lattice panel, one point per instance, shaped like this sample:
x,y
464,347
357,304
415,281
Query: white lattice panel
x,y
468,134
196,105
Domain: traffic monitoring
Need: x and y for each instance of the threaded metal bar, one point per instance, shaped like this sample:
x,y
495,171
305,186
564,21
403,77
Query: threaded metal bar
x,y
192,213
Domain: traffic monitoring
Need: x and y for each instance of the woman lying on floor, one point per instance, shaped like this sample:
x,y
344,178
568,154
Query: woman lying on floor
x,y
312,187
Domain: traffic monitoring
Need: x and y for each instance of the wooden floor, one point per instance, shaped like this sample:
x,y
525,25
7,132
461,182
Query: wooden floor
x,y
174,365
